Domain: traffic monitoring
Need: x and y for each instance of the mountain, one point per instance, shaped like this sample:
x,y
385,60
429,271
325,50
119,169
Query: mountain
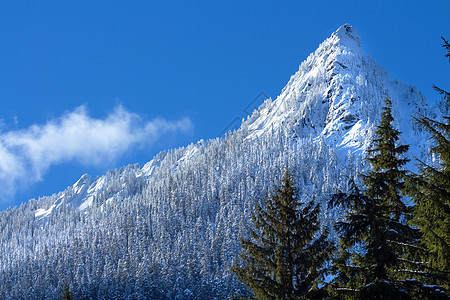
x,y
337,94
171,228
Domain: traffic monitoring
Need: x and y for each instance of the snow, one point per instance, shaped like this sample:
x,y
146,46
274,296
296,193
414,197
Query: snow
x,y
338,94
150,167
86,203
42,213
83,193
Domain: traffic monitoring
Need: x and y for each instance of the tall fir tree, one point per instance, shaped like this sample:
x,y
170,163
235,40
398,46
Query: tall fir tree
x,y
66,294
430,191
376,257
284,256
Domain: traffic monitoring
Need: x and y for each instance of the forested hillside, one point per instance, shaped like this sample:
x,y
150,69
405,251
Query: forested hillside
x,y
171,228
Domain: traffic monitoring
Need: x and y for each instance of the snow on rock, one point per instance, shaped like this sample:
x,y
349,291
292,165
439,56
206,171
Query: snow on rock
x,y
86,190
42,213
337,94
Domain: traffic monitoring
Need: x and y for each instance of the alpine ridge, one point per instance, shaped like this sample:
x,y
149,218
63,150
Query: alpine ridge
x,y
171,228
337,94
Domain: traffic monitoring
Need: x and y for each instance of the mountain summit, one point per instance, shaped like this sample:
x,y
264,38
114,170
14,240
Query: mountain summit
x,y
337,94
171,228
347,32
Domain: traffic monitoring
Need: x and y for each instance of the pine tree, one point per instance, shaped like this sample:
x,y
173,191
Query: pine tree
x,y
430,191
284,257
66,294
377,245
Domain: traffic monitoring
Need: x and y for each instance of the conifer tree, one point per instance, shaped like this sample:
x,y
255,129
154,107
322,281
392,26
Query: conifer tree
x,y
377,245
284,257
66,294
430,191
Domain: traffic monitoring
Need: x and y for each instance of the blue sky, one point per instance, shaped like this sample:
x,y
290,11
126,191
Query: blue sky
x,y
87,86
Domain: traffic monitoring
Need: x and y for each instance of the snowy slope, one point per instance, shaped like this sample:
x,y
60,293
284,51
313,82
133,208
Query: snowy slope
x,y
86,191
337,94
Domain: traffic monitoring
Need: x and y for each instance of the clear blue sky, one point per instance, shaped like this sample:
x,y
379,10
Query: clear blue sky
x,y
194,65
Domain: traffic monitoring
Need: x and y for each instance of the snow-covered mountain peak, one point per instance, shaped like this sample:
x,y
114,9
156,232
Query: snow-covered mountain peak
x,y
337,94
346,34
82,183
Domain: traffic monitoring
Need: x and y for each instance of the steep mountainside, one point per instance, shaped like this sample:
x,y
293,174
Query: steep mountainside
x,y
337,94
171,228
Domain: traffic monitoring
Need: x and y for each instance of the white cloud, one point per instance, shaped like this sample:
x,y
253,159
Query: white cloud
x,y
25,155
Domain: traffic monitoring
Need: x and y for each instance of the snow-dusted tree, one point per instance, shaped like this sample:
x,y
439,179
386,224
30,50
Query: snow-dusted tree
x,y
284,255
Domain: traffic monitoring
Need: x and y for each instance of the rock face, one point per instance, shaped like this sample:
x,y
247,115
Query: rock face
x,y
337,94
171,228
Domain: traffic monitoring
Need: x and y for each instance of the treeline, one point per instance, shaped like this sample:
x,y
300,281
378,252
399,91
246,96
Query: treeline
x,y
394,240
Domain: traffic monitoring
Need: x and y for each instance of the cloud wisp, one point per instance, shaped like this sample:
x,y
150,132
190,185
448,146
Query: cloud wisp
x,y
27,154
